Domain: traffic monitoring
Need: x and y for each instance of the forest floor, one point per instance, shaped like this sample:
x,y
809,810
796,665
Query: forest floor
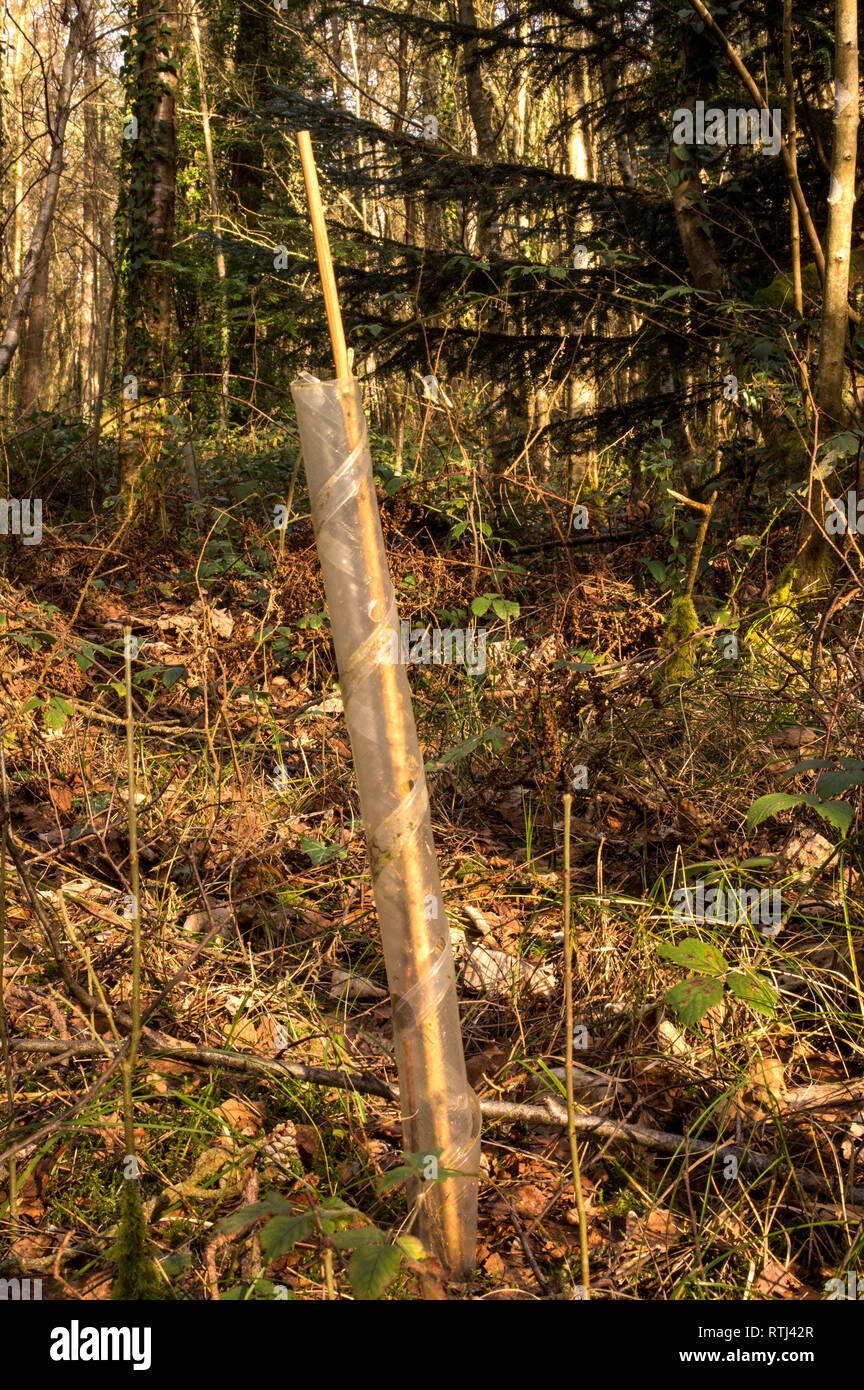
x,y
260,938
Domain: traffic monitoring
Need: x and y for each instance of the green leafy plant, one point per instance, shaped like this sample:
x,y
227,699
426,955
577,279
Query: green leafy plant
x,y
501,607
313,620
658,572
320,853
334,1227
494,736
691,999
55,709
849,772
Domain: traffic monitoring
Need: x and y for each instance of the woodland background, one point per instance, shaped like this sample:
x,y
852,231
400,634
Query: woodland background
x,y
611,383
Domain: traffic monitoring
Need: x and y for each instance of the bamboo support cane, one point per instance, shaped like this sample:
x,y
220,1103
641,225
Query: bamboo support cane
x,y
427,1039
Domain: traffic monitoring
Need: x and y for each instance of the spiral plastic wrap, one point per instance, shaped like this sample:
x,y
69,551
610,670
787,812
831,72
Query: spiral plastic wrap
x,y
440,1111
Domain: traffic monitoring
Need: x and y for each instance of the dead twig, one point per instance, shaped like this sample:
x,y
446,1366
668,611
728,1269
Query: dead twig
x,y
545,1287
550,1112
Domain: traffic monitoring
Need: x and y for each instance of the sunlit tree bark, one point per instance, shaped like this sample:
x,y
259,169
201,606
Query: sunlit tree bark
x,y
57,121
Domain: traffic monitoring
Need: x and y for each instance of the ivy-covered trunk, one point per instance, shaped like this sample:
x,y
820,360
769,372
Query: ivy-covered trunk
x,y
147,228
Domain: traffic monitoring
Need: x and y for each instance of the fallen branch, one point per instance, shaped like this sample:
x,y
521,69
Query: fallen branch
x,y
589,538
363,1082
549,1112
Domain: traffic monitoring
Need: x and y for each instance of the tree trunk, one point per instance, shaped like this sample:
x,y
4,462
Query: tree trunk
x,y
838,241
251,54
224,335
580,156
815,557
792,142
149,235
399,124
541,457
14,136
39,237
18,137
33,338
89,341
482,117
698,248
479,101
705,271
431,209
610,71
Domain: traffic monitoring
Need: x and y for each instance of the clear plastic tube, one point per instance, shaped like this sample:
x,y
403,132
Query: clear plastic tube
x,y
440,1113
